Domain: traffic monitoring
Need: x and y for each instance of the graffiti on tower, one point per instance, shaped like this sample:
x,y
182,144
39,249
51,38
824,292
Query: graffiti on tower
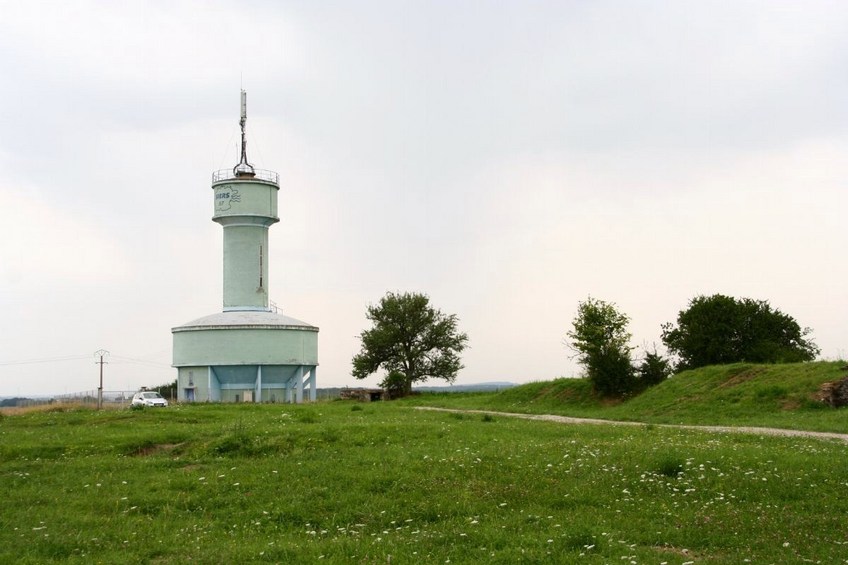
x,y
225,196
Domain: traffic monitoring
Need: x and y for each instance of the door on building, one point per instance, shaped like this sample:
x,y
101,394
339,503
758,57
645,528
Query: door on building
x,y
189,394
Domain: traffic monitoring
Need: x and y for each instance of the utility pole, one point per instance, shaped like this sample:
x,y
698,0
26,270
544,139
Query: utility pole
x,y
100,353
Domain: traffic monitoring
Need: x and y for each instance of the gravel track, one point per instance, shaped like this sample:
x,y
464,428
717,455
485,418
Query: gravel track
x,y
721,429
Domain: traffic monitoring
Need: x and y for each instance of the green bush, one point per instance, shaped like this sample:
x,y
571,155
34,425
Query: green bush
x,y
670,466
654,369
611,372
396,384
719,330
307,417
600,338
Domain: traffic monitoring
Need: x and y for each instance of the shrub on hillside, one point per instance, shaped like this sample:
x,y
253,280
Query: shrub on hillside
x,y
612,373
719,330
600,338
654,369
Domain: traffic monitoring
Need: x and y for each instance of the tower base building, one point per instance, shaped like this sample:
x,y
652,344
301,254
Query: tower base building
x,y
246,356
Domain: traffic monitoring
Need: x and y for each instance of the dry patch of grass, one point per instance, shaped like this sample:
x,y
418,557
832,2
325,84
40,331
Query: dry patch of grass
x,y
790,404
46,408
156,449
57,407
745,375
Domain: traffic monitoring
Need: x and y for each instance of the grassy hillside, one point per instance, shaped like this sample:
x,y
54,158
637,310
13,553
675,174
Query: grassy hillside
x,y
741,394
339,482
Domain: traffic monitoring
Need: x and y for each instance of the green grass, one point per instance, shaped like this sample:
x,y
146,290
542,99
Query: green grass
x,y
781,396
383,483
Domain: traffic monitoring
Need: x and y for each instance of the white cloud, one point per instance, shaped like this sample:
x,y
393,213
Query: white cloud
x,y
45,244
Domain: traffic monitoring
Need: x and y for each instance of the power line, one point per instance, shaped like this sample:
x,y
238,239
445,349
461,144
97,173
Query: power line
x,y
45,360
133,360
120,359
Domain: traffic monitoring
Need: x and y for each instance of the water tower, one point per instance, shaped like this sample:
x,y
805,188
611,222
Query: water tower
x,y
247,352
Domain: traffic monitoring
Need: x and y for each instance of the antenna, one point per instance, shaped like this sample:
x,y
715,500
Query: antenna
x,y
243,168
243,109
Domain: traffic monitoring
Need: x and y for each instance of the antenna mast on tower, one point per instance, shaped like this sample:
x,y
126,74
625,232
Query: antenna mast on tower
x,y
243,168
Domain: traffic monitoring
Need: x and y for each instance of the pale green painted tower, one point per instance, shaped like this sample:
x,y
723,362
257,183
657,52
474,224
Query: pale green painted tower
x,y
247,353
246,206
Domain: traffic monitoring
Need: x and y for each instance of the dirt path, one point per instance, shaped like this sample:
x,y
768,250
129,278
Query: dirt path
x,y
724,429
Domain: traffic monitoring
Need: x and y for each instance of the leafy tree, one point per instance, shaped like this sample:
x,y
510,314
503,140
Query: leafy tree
x,y
720,329
411,341
600,338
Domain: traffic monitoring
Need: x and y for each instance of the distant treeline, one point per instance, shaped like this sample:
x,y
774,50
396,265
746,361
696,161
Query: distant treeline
x,y
21,401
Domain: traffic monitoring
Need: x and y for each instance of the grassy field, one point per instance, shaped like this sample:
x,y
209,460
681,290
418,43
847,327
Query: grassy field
x,y
781,396
339,482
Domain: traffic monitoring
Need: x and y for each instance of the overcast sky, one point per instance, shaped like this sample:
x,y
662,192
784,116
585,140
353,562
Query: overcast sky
x,y
509,159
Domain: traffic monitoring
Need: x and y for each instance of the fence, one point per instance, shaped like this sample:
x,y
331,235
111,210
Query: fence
x,y
89,397
116,398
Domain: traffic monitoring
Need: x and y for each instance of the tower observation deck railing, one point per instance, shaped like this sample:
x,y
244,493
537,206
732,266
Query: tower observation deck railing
x,y
258,174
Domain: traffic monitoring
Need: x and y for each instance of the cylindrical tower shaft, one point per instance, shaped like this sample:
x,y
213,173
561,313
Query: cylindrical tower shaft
x,y
246,206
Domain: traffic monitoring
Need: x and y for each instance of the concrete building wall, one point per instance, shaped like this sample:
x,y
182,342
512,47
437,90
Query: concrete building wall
x,y
245,197
245,266
192,383
256,346
245,383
